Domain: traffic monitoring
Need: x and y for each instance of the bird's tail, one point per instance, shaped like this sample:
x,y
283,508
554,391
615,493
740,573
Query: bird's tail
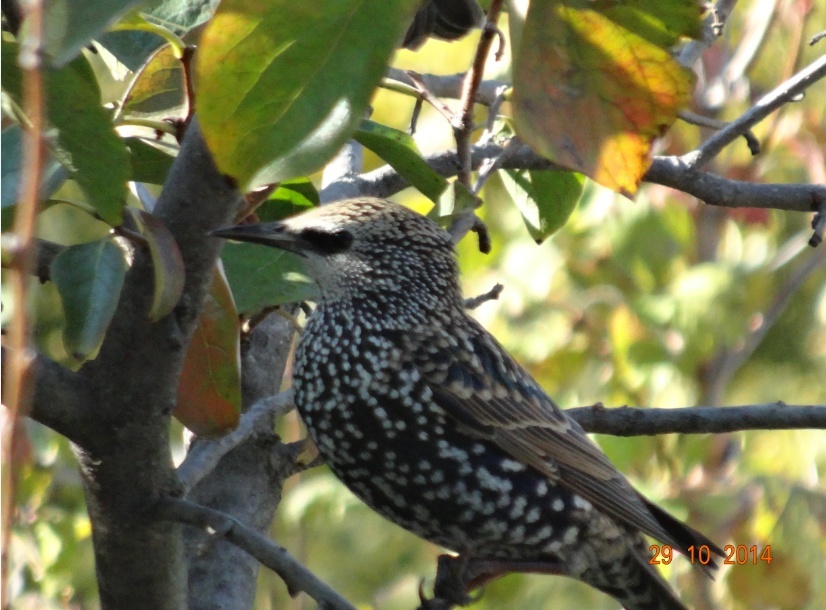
x,y
634,583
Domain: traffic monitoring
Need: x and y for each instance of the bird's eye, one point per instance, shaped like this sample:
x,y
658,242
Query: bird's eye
x,y
328,242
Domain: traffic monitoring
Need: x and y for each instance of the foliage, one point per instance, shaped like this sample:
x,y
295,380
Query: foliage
x,y
640,303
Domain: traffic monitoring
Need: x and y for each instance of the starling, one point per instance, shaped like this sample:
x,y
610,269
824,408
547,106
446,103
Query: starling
x,y
428,420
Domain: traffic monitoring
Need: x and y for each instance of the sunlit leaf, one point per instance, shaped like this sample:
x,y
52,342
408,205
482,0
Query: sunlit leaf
x,y
546,198
455,199
262,276
167,263
595,83
209,390
89,278
290,198
86,142
399,150
158,88
282,84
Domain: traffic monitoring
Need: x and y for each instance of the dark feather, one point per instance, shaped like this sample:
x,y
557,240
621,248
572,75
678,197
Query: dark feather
x,y
493,397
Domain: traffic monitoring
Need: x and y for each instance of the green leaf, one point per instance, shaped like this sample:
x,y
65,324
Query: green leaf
x,y
70,25
209,389
261,277
283,84
149,163
399,150
86,142
89,278
290,198
546,198
595,83
453,201
167,263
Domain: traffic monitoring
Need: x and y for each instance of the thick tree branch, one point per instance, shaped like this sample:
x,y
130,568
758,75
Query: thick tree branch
x,y
626,421
60,400
133,382
297,577
246,482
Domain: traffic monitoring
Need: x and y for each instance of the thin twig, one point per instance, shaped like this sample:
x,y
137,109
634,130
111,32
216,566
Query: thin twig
x,y
703,121
428,96
490,295
781,95
449,86
205,454
463,130
295,575
17,387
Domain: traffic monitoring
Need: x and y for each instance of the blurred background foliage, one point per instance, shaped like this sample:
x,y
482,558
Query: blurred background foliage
x,y
660,302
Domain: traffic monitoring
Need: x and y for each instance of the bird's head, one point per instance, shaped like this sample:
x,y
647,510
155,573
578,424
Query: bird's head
x,y
365,248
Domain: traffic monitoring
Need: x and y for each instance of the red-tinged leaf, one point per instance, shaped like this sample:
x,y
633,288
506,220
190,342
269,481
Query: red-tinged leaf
x,y
282,84
209,390
167,263
595,84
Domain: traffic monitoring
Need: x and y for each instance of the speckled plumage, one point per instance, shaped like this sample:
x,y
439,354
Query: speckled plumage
x,y
428,420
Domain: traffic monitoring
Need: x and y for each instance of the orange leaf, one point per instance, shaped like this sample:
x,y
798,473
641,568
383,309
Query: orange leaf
x,y
595,84
209,390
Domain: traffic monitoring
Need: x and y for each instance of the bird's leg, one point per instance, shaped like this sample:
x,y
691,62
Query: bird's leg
x,y
456,576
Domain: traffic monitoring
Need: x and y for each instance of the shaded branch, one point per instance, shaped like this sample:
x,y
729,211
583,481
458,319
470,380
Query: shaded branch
x,y
618,421
297,577
60,399
667,171
627,421
205,454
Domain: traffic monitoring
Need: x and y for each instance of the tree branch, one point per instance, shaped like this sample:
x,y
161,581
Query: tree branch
x,y
598,419
667,171
770,102
295,575
206,453
60,400
627,421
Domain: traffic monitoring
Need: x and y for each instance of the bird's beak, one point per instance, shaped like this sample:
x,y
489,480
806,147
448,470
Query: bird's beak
x,y
273,234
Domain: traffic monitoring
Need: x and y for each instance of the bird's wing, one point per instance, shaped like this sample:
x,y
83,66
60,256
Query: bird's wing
x,y
491,396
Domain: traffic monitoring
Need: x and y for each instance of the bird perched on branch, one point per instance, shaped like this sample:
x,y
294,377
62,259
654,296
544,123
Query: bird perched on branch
x,y
427,419
443,19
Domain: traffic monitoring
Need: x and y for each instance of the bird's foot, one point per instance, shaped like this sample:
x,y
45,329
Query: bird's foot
x,y
451,586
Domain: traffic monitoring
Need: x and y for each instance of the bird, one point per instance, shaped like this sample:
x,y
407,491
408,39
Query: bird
x,y
425,417
443,19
